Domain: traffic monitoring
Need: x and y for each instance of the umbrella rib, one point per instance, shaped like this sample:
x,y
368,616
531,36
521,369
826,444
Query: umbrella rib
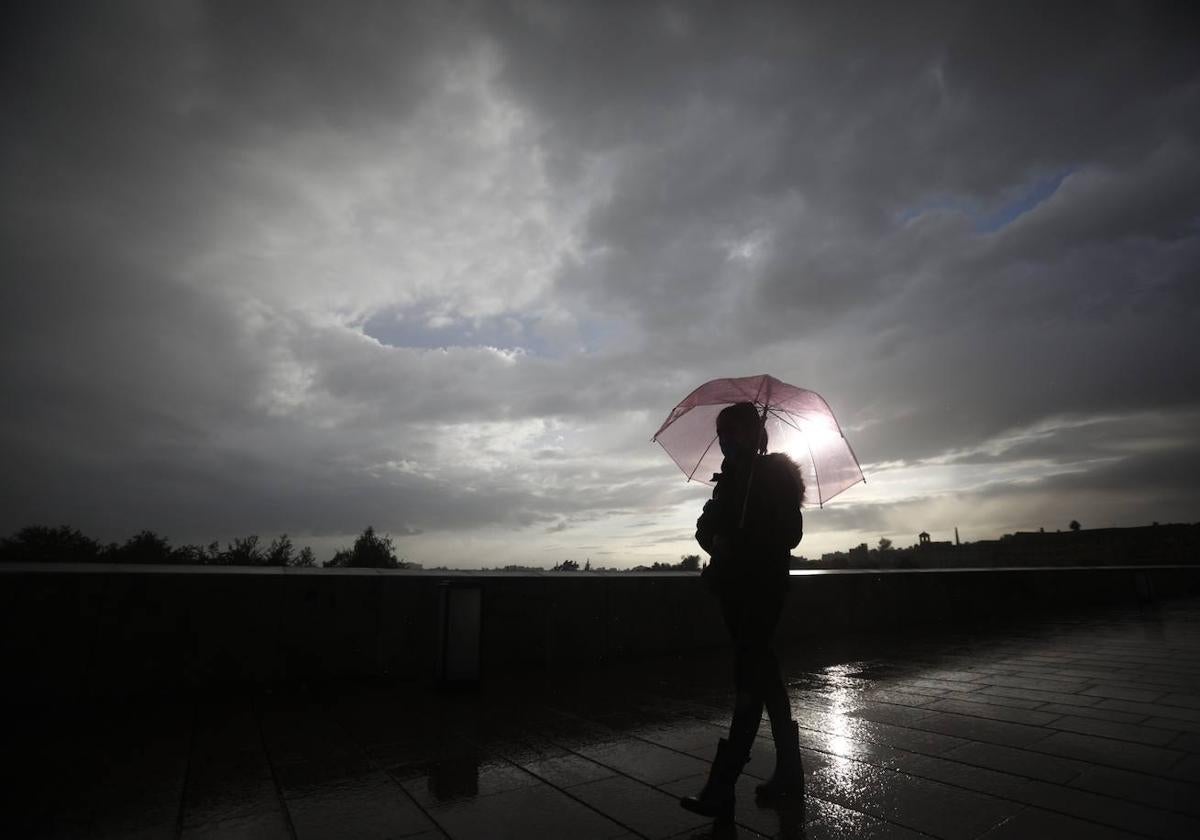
x,y
816,474
837,425
861,476
701,461
784,416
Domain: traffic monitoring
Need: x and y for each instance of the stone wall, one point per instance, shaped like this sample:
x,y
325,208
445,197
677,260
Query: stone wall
x,y
78,632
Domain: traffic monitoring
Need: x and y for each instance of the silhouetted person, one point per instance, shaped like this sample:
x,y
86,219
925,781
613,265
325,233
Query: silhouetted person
x,y
749,527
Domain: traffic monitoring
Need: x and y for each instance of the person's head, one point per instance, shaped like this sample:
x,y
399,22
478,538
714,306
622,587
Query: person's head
x,y
740,431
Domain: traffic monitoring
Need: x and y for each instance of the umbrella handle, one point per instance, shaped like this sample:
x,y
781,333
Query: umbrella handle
x,y
758,450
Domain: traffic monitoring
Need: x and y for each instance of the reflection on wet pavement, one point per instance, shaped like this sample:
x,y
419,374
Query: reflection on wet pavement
x,y
1087,726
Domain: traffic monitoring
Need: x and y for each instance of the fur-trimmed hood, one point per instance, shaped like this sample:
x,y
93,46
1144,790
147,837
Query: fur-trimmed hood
x,y
779,467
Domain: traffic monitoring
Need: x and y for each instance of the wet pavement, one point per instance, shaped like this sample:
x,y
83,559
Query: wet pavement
x,y
1084,726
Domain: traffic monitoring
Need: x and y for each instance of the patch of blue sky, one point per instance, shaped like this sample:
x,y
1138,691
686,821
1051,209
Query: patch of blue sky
x,y
598,333
992,216
423,328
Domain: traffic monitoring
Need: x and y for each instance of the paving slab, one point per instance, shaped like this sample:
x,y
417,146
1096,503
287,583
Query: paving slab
x,y
1112,812
641,760
986,710
539,811
647,811
1039,824
1116,731
919,804
1108,752
1155,791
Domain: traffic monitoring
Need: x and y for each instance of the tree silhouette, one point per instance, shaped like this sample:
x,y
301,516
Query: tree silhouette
x,y
279,552
243,552
196,555
1074,526
40,544
566,566
370,551
884,544
143,547
304,559
339,560
687,563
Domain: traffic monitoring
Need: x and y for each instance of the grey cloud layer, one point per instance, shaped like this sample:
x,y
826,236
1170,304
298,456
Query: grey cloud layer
x,y
734,188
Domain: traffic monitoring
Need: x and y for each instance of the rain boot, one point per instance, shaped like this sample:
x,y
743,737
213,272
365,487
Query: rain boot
x,y
716,798
787,782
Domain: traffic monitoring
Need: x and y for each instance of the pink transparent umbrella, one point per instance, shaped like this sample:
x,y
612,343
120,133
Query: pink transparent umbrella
x,y
799,423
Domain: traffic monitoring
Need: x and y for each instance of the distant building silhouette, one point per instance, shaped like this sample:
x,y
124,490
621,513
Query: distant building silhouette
x,y
1147,544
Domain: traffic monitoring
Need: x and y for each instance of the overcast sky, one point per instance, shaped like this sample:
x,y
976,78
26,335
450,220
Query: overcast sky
x,y
444,268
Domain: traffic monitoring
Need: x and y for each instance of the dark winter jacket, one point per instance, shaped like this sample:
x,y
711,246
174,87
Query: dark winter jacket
x,y
756,551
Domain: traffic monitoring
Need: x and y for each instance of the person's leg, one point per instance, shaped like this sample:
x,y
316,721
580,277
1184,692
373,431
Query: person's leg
x,y
771,686
716,799
743,620
748,703
787,782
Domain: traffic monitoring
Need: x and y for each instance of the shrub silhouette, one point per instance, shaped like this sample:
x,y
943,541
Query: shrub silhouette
x,y
279,552
687,563
144,547
243,552
370,551
197,555
40,544
305,559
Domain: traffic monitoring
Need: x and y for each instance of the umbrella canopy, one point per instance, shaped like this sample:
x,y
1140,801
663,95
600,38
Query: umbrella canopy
x,y
799,423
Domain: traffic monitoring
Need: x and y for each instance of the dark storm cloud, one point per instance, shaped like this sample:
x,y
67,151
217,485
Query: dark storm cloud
x,y
1088,438
124,124
823,149
819,132
956,221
